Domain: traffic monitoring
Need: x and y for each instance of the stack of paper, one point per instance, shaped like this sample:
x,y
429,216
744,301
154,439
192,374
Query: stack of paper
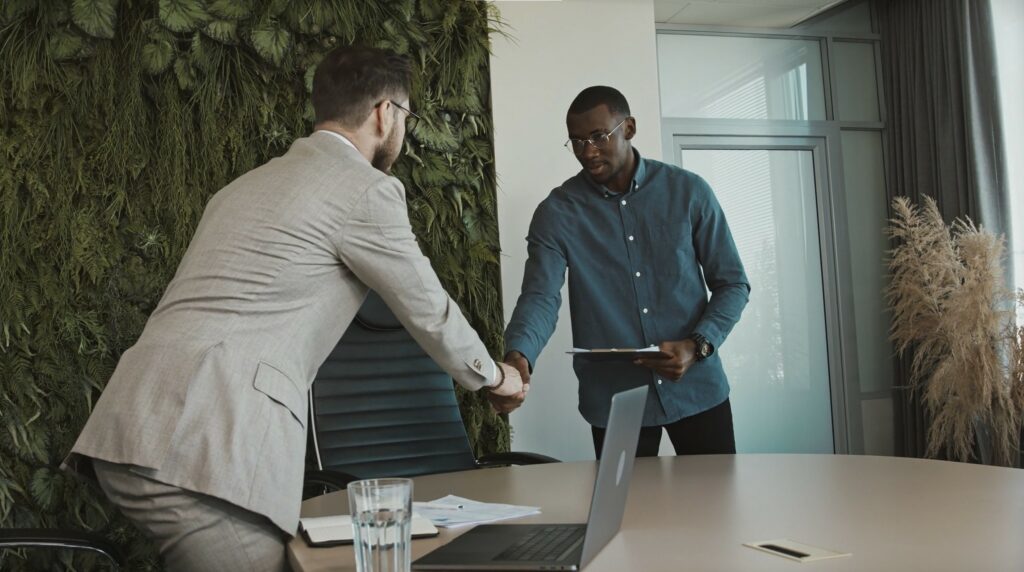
x,y
452,511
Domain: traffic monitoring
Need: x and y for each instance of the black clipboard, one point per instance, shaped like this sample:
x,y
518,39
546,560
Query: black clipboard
x,y
617,355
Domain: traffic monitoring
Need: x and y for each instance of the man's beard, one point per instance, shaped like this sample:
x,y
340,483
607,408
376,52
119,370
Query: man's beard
x,y
386,153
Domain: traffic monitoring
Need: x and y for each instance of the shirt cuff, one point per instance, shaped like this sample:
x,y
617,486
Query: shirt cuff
x,y
710,333
528,351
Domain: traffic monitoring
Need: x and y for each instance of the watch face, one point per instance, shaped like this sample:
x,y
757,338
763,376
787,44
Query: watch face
x,y
705,349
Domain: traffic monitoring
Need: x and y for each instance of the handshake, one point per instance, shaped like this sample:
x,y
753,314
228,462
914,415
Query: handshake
x,y
511,391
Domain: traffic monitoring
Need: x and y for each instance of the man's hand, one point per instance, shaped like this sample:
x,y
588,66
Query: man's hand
x,y
519,361
512,392
682,355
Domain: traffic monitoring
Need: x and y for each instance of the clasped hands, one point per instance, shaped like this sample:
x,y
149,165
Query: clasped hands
x,y
508,396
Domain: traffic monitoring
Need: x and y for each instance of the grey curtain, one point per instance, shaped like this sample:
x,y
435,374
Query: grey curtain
x,y
944,137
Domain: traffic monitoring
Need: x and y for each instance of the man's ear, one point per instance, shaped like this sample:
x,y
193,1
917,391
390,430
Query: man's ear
x,y
629,128
383,117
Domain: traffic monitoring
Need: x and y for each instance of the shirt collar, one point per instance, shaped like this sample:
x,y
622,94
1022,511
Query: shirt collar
x,y
340,137
638,178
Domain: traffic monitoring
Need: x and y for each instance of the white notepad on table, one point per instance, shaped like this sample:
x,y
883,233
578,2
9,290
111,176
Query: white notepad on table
x,y
337,530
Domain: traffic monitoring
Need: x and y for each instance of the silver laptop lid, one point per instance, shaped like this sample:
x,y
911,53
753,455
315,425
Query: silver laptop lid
x,y
614,471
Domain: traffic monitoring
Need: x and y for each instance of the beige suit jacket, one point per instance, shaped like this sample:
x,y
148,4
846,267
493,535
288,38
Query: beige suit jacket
x,y
213,396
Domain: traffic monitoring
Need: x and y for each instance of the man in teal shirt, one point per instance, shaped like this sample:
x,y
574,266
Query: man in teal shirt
x,y
643,243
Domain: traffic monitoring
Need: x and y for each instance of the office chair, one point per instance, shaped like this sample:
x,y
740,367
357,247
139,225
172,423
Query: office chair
x,y
381,407
15,538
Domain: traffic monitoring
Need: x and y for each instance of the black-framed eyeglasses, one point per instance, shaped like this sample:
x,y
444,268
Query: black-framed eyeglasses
x,y
598,141
410,112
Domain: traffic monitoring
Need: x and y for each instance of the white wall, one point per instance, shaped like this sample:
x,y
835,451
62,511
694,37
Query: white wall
x,y
556,49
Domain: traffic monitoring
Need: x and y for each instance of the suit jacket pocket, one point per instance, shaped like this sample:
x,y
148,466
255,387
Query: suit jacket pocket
x,y
276,385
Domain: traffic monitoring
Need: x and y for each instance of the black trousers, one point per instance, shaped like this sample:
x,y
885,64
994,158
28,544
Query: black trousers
x,y
707,433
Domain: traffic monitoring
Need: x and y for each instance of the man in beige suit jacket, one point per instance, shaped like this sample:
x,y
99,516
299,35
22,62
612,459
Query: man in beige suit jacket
x,y
200,435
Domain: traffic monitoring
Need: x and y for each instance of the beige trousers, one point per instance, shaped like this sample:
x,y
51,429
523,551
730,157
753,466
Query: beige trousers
x,y
194,532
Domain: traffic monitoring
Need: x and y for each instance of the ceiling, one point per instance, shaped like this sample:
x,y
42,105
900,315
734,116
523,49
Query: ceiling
x,y
742,13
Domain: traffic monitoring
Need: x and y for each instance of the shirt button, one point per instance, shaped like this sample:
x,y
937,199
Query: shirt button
x,y
659,382
637,274
645,310
623,202
477,364
630,237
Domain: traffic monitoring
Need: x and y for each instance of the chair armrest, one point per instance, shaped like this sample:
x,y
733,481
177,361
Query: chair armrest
x,y
513,458
336,480
60,538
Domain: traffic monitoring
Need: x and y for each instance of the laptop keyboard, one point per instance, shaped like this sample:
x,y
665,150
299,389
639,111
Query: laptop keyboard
x,y
550,543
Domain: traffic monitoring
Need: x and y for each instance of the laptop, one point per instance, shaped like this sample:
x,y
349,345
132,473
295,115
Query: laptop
x,y
558,546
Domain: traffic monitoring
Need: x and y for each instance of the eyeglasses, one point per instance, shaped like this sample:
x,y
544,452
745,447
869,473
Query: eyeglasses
x,y
598,141
405,109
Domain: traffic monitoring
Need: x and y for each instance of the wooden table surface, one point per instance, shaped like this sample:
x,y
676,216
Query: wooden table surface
x,y
695,513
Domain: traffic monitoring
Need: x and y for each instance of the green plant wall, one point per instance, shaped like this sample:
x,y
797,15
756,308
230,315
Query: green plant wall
x,y
119,120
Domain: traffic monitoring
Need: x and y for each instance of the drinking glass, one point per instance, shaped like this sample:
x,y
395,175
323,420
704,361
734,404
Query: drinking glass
x,y
381,524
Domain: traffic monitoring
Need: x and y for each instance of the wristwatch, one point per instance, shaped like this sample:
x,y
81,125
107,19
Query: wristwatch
x,y
704,347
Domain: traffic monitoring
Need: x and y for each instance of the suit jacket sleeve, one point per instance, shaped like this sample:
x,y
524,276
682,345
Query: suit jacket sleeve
x,y
377,244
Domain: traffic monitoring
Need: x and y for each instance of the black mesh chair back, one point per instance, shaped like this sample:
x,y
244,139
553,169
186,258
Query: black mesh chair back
x,y
380,406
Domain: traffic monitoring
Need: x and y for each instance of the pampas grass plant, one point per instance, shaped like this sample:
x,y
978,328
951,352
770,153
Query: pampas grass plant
x,y
953,314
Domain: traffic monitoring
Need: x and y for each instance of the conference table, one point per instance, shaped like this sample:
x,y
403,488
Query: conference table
x,y
695,513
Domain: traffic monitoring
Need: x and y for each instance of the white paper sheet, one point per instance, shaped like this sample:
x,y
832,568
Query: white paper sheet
x,y
452,511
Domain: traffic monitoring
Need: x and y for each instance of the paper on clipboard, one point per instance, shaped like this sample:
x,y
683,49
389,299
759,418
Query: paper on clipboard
x,y
617,354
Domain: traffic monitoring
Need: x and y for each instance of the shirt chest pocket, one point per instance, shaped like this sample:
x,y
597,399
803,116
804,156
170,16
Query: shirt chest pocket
x,y
670,248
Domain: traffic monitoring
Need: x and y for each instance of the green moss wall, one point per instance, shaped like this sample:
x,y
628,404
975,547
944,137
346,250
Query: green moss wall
x,y
118,120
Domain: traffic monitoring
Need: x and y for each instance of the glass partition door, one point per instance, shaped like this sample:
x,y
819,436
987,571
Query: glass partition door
x,y
777,357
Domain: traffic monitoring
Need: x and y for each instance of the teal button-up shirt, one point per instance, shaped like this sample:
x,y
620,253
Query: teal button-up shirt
x,y
640,266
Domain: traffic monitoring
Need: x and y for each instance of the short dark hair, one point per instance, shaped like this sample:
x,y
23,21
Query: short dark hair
x,y
600,95
351,80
